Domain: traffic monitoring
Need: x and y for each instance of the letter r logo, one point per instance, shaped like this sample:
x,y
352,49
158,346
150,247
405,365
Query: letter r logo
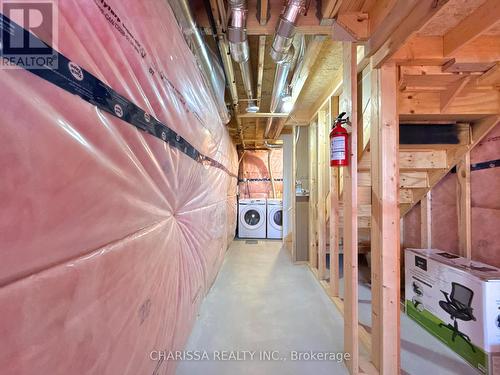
x,y
38,18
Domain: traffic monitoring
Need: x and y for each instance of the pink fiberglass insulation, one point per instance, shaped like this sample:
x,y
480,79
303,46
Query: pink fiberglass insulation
x,y
110,237
255,177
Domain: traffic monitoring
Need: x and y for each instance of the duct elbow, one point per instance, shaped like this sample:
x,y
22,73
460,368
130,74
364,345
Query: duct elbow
x,y
285,30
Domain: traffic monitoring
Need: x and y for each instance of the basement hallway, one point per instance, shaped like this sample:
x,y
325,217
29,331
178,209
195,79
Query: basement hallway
x,y
262,303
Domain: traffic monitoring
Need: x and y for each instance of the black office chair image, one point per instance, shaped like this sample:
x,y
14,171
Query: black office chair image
x,y
458,305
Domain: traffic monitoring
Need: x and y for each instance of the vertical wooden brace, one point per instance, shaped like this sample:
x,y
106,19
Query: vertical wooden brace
x,y
426,221
464,206
350,195
321,195
386,223
334,218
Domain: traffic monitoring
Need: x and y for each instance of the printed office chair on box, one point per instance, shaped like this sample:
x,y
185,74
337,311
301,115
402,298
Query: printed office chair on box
x,y
458,305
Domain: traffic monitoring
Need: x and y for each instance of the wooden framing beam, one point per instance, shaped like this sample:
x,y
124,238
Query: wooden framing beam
x,y
384,44
329,8
429,50
334,219
385,225
263,115
483,18
350,196
470,102
351,26
464,207
426,221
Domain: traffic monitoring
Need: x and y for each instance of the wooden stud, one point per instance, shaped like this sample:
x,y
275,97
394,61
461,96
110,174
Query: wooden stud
x,y
321,223
483,18
350,195
293,213
375,229
313,159
464,207
334,218
264,9
385,224
426,221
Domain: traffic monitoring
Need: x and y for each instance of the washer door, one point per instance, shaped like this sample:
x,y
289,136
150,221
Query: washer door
x,y
251,218
276,218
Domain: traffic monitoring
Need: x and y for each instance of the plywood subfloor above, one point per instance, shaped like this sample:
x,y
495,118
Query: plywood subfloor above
x,y
325,74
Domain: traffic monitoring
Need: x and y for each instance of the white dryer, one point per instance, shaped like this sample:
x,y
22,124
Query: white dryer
x,y
252,218
274,218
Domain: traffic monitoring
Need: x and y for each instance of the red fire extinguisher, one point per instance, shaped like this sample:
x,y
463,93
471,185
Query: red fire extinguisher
x,y
339,145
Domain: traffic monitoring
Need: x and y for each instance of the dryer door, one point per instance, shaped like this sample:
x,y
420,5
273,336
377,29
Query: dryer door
x,y
251,217
276,218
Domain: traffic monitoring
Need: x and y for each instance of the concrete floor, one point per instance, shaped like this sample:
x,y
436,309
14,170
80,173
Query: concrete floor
x,y
262,302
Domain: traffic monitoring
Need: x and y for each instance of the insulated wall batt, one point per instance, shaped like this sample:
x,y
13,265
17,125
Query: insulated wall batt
x,y
110,238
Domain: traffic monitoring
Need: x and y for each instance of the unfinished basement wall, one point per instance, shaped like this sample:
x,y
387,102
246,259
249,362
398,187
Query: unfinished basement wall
x,y
485,203
255,176
110,236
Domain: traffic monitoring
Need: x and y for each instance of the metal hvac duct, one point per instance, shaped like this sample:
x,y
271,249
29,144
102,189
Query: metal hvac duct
x,y
209,65
238,45
285,30
280,82
282,52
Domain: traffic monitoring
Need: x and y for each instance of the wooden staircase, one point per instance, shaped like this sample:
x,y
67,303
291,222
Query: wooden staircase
x,y
421,167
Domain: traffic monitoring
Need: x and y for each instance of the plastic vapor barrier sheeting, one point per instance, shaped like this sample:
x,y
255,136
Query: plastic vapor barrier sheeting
x,y
109,236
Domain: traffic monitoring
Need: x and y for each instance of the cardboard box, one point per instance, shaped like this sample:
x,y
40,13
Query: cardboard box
x,y
458,301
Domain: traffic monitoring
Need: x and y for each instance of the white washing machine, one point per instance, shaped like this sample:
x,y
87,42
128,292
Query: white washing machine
x,y
274,218
252,218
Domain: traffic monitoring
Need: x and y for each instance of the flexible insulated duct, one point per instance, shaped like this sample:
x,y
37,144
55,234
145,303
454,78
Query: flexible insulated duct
x,y
209,65
238,45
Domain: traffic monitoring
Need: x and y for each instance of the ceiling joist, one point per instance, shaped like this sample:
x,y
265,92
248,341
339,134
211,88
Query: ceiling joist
x,y
473,26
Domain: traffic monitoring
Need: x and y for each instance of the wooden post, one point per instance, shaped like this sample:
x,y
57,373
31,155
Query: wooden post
x,y
464,206
313,159
334,218
351,341
386,225
321,195
425,221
